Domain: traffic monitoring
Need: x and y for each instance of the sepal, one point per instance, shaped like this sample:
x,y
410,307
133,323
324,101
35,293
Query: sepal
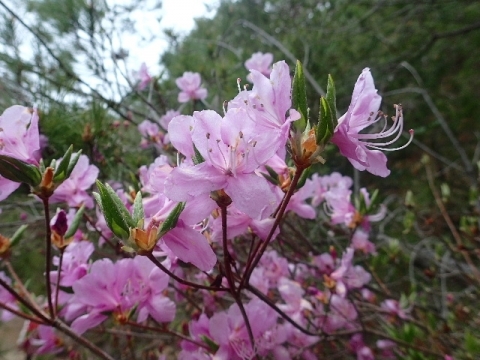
x,y
299,97
19,171
172,219
116,214
327,121
72,229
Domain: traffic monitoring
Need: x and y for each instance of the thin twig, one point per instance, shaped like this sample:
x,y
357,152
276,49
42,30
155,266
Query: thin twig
x,y
183,281
450,224
48,256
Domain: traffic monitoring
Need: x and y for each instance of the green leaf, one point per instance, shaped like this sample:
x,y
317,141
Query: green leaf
x,y
73,161
332,100
299,97
210,343
305,175
18,235
373,200
325,127
61,169
272,173
472,343
172,219
120,206
19,171
75,222
116,214
270,179
138,212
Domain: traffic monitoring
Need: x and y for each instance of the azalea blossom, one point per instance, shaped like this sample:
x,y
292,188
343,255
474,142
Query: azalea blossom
x,y
19,139
361,149
74,264
229,331
269,104
143,77
260,62
190,86
74,189
151,133
232,150
121,288
7,299
165,119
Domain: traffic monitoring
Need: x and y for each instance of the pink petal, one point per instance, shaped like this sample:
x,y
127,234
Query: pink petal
x,y
252,195
190,246
187,181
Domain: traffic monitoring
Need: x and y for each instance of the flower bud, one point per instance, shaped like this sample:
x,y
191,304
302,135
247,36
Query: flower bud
x,y
59,227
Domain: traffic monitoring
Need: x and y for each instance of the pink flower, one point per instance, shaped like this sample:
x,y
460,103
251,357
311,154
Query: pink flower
x,y
190,246
342,314
360,242
394,308
151,133
143,77
387,347
73,190
124,287
165,119
260,62
268,103
189,84
47,341
361,151
148,129
324,262
74,264
293,295
233,150
339,207
238,223
228,330
7,299
323,184
348,276
19,139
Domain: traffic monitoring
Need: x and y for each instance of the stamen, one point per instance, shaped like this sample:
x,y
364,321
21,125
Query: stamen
x,y
411,132
395,130
221,153
238,85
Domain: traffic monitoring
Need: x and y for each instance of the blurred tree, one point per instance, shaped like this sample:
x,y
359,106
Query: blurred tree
x,y
67,57
418,51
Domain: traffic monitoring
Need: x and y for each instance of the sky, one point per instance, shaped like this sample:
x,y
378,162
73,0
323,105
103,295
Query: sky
x,y
175,14
145,45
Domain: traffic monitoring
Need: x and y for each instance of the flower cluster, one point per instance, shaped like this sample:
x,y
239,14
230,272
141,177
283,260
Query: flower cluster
x,y
212,221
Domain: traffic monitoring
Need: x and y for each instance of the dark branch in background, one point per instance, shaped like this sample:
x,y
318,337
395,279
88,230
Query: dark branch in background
x,y
110,103
444,35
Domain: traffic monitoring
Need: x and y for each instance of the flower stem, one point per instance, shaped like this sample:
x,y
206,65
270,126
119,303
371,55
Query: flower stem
x,y
57,287
48,255
278,218
180,280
